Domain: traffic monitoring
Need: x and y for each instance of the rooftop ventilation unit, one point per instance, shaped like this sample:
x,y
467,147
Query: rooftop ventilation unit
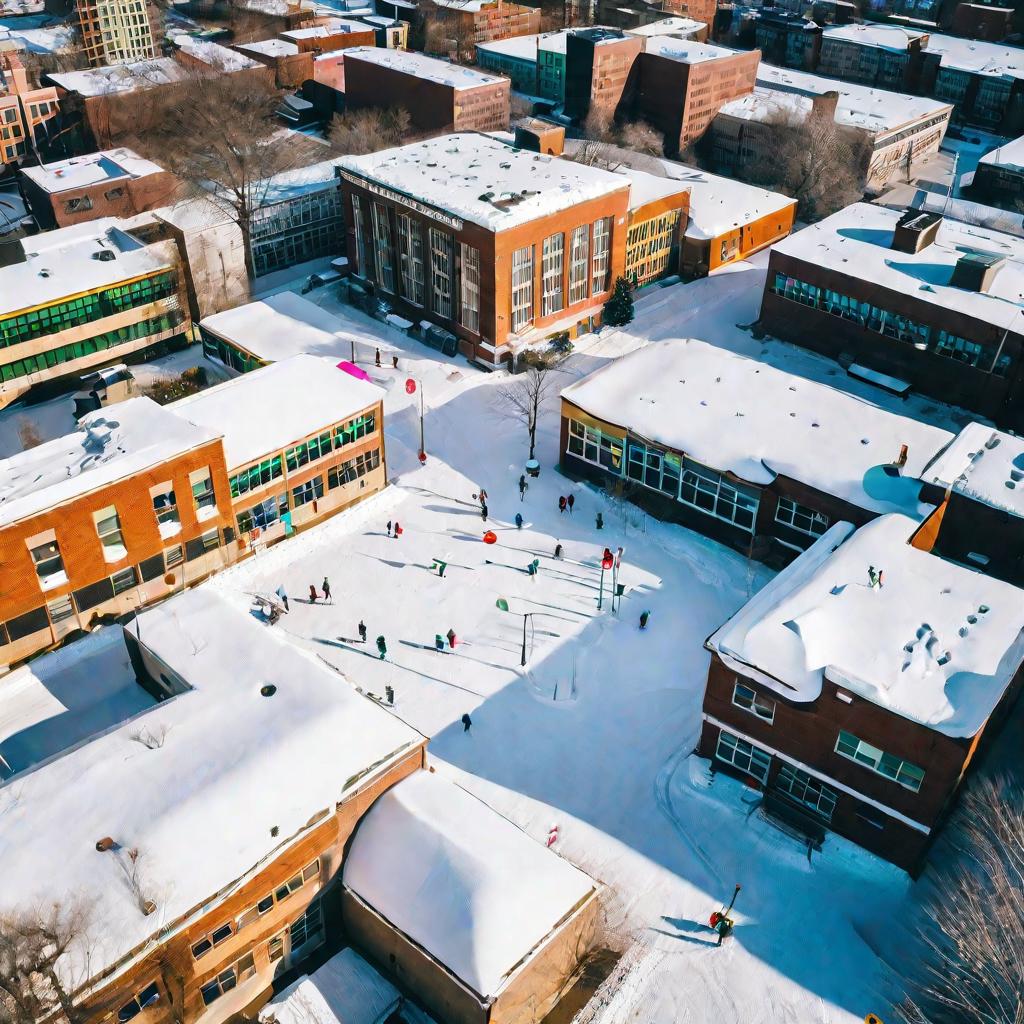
x,y
916,230
975,271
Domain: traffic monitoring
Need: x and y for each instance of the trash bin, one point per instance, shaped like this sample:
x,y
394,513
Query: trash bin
x,y
532,468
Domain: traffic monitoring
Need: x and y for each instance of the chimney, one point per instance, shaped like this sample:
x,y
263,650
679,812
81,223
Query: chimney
x,y
901,461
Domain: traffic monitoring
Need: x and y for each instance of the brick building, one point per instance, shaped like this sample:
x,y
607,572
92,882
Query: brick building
x,y
466,23
130,507
786,39
999,176
598,70
84,296
931,302
886,56
24,110
118,31
499,246
291,66
439,96
636,14
858,686
111,183
752,456
331,35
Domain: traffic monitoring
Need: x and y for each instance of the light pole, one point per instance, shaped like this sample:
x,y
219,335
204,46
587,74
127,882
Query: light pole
x,y
502,604
607,562
410,389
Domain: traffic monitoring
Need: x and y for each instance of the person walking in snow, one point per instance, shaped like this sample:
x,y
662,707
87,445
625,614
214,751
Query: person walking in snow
x,y
482,496
389,527
382,647
562,504
533,568
522,486
483,513
438,642
377,356
558,551
284,597
327,591
466,723
362,631
451,639
312,594
644,616
571,501
398,529
519,521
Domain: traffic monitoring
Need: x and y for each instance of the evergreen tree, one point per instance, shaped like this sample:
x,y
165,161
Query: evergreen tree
x,y
618,310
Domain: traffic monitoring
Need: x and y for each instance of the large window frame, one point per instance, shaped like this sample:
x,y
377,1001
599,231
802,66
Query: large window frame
x,y
410,258
552,271
801,518
600,265
469,287
579,264
806,790
889,766
748,699
442,271
383,267
744,756
522,289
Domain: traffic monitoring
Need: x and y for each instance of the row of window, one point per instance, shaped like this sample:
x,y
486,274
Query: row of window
x,y
85,308
892,325
77,350
649,247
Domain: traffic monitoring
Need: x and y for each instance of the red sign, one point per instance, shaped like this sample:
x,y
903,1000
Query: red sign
x,y
410,386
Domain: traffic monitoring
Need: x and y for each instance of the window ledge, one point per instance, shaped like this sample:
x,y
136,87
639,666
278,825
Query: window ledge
x,y
58,579
168,530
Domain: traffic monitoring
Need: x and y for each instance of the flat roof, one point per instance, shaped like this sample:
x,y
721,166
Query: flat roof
x,y
1011,156
936,643
267,409
300,181
269,47
222,740
519,47
984,464
464,883
91,169
465,174
884,37
687,52
781,90
645,187
740,416
108,445
120,78
856,242
669,27
214,54
63,262
421,66
333,27
977,57
281,326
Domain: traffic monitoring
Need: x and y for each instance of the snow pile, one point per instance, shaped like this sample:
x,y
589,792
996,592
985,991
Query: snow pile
x,y
740,416
984,464
934,642
461,881
345,990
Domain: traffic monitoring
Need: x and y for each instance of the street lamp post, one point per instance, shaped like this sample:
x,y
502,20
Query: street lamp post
x,y
606,563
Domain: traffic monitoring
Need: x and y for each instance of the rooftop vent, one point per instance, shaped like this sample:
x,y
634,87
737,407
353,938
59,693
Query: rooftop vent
x,y
104,255
975,271
916,230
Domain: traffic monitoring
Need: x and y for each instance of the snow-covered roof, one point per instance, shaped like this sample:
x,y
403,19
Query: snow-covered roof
x,y
782,90
108,445
91,169
461,881
645,187
270,408
473,6
679,27
269,47
223,58
300,181
63,262
207,783
856,242
120,78
519,47
936,643
334,27
419,65
977,57
718,204
984,464
1011,155
281,326
456,172
686,52
741,416
885,37
345,990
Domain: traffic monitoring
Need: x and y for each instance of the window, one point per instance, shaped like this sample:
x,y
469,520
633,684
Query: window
x,y
441,256
308,931
903,772
383,267
307,492
209,540
357,230
410,258
708,490
173,556
654,468
801,518
743,755
255,912
469,282
257,476
147,997
309,451
60,609
202,490
78,205
579,258
807,790
602,255
227,980
263,514
49,564
219,934
551,274
108,529
124,580
275,947
165,506
522,288
361,426
750,700
115,193
296,882
346,472
595,446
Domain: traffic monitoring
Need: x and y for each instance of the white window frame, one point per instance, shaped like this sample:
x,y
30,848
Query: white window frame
x,y
719,494
794,782
789,513
579,262
383,267
469,287
552,270
357,229
201,483
752,755
755,704
874,759
522,289
600,262
442,259
410,245
110,536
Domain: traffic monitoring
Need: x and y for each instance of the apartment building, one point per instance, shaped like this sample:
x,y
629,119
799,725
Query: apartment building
x,y
438,95
110,183
516,58
24,111
858,687
885,56
332,34
789,40
999,176
893,132
134,505
754,457
116,31
598,70
933,303
499,246
84,296
120,809
636,14
471,22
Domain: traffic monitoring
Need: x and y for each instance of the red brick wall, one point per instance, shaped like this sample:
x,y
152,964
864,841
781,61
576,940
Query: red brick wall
x,y
136,196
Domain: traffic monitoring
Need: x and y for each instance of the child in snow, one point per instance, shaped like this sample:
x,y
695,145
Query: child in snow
x,y
327,590
312,594
466,723
519,521
389,527
483,513
362,631
571,501
522,486
451,639
438,642
284,597
562,504
398,529
558,551
644,616
600,521
382,647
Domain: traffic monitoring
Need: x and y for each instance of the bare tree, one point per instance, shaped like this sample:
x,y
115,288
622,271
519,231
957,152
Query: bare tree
x,y
598,126
217,132
28,434
596,154
40,954
450,32
369,130
640,137
521,399
972,970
